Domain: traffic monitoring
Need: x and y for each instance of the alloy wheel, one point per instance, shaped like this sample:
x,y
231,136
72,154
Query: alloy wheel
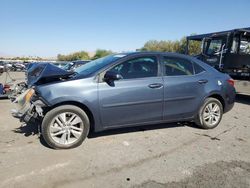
x,y
66,128
211,114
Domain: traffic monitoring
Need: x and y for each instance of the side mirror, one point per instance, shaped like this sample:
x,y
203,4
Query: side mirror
x,y
111,76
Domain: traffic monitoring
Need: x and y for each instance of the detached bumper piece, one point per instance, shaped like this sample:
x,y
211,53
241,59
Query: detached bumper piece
x,y
22,117
16,114
32,110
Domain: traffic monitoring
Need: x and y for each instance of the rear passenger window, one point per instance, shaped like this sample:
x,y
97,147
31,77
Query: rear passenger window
x,y
198,69
177,67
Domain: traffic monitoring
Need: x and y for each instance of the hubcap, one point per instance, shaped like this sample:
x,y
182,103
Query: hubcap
x,y
212,114
66,128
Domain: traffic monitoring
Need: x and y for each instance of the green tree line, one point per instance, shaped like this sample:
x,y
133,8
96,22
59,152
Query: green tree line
x,y
23,58
82,55
178,46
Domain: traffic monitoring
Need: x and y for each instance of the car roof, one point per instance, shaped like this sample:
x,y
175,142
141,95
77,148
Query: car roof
x,y
157,53
172,54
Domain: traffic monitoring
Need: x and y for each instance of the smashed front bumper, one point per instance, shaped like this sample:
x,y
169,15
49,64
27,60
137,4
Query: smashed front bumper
x,y
27,109
32,111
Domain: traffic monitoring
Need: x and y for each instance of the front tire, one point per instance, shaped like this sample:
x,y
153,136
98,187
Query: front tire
x,y
210,114
65,127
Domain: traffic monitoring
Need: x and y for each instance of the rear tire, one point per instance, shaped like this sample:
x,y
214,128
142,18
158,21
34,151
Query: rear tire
x,y
210,114
65,127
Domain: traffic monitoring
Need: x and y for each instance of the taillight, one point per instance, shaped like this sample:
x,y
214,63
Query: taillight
x,y
231,82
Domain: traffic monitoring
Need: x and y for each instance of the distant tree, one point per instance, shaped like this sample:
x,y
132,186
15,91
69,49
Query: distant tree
x,y
101,53
60,57
82,55
20,58
194,47
178,46
162,46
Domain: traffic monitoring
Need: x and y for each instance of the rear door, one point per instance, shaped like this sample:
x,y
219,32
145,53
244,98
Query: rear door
x,y
135,99
183,87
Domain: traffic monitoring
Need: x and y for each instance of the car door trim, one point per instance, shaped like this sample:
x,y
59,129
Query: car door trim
x,y
179,98
131,103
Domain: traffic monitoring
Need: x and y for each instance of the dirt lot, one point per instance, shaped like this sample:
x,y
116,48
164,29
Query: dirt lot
x,y
167,155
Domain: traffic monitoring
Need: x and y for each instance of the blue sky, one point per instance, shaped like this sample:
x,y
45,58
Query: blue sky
x,y
48,27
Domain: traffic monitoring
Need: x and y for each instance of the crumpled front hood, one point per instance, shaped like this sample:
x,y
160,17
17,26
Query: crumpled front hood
x,y
44,71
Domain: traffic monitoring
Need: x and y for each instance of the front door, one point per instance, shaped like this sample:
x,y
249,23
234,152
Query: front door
x,y
134,99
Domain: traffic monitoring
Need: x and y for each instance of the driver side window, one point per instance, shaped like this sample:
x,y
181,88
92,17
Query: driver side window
x,y
137,68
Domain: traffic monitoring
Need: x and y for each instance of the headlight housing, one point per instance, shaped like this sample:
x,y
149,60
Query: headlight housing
x,y
25,97
29,94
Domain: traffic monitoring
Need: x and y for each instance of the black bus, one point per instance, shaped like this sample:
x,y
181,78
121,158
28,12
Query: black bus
x,y
229,52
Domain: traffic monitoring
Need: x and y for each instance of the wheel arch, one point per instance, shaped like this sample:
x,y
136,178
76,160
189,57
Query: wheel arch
x,y
218,97
80,105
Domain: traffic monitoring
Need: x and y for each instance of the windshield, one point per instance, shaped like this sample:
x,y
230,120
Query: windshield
x,y
98,64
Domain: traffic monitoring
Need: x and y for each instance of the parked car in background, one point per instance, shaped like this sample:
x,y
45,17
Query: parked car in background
x,y
18,67
5,66
121,90
8,65
71,66
1,67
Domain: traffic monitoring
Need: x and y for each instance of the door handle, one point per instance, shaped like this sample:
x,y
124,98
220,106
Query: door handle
x,y
155,85
203,81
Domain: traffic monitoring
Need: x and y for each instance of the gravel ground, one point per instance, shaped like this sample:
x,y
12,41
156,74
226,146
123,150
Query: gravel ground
x,y
166,155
